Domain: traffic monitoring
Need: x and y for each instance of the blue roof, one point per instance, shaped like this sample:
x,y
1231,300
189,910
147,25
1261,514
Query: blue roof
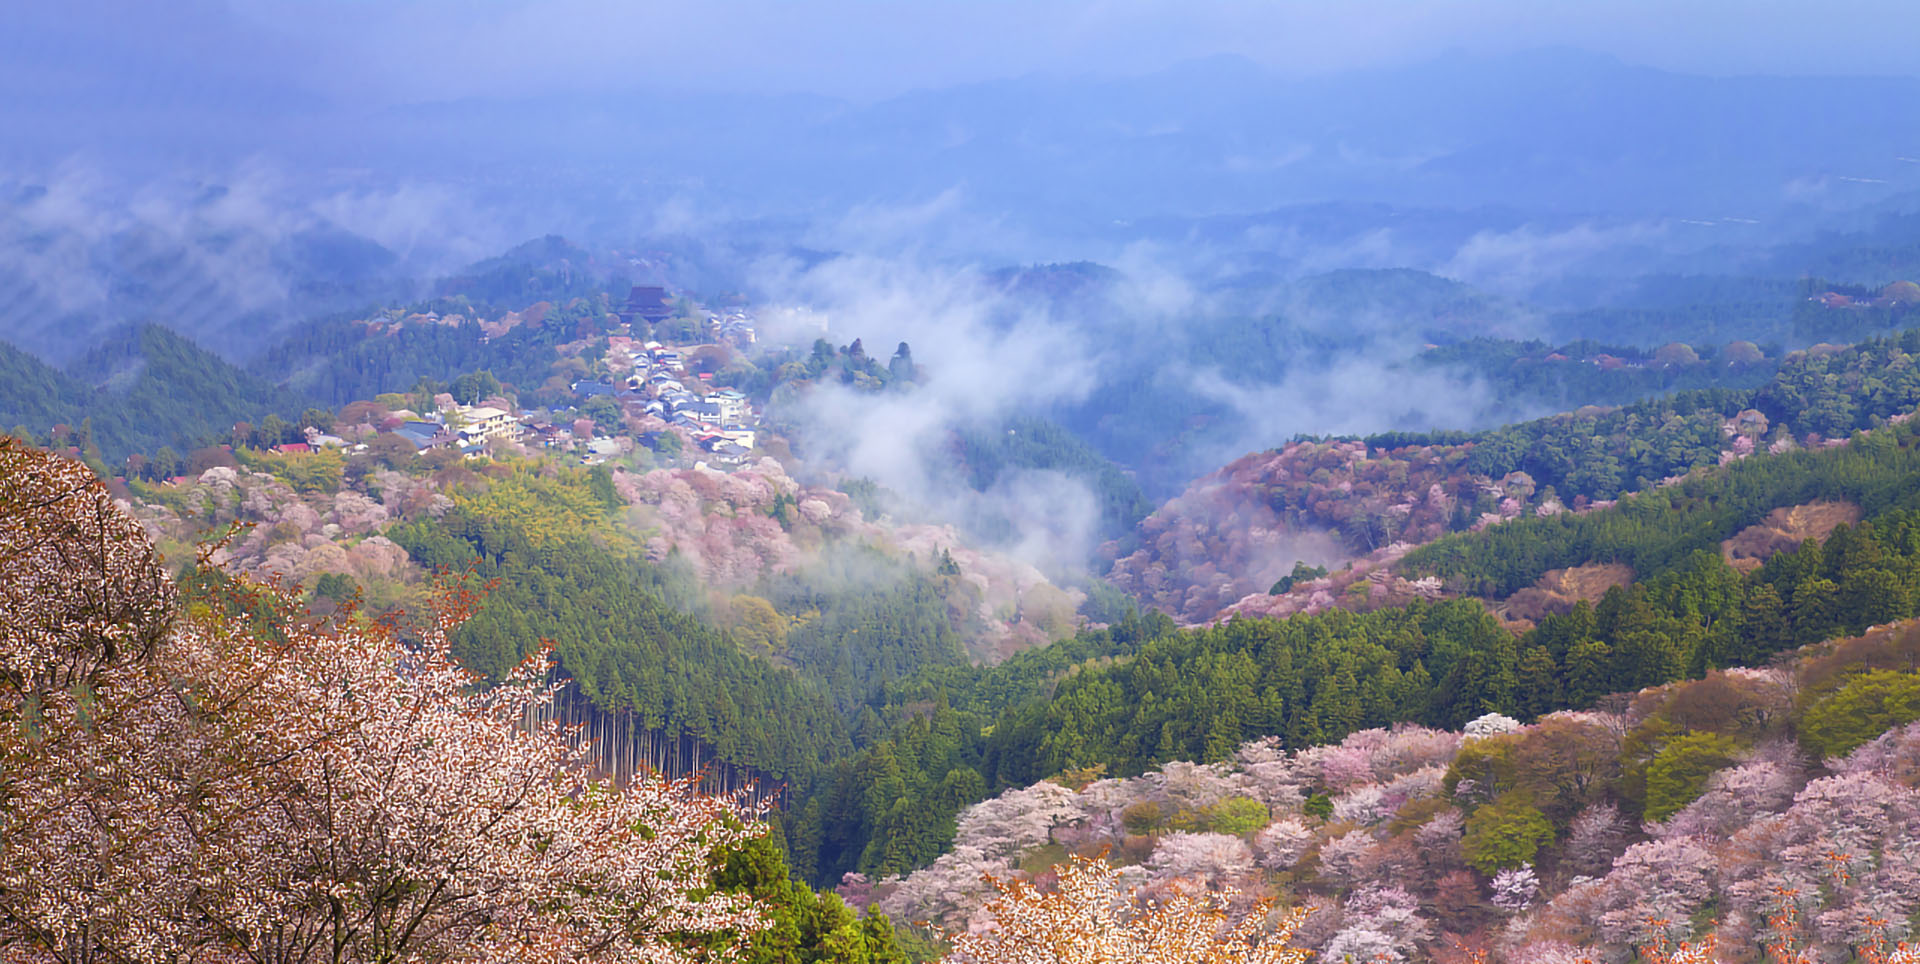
x,y
419,430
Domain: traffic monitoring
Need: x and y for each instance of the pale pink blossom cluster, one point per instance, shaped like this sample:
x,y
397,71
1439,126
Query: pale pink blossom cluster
x,y
1843,841
1211,860
952,891
1839,855
1383,588
195,789
1232,534
1378,923
1376,773
298,536
1097,916
724,524
1515,888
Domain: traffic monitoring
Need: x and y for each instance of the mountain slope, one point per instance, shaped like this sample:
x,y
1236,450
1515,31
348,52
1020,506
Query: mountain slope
x,y
35,395
1130,699
140,389
1325,500
1772,806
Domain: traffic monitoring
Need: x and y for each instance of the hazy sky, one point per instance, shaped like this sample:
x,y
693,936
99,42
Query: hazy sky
x,y
384,51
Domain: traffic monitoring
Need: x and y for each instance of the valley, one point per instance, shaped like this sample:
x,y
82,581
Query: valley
x,y
1040,484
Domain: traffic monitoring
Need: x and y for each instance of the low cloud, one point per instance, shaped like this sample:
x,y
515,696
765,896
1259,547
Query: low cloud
x,y
1348,395
433,228
1520,260
984,358
224,256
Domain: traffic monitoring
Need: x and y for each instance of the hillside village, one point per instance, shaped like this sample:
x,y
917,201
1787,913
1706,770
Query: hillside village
x,y
640,393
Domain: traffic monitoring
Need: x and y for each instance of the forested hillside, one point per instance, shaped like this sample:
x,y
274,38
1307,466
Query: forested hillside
x,y
343,360
1770,810
634,656
37,395
140,390
324,771
1530,375
1197,694
741,623
1236,531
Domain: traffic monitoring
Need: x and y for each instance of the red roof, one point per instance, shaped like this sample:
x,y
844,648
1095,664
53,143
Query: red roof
x,y
293,448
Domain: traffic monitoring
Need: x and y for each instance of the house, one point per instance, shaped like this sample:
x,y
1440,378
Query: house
x,y
733,405
599,450
424,435
587,389
725,450
484,423
729,453
738,434
293,448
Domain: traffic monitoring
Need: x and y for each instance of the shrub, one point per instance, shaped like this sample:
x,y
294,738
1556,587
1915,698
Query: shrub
x,y
1868,705
1506,833
1238,815
1143,817
1678,773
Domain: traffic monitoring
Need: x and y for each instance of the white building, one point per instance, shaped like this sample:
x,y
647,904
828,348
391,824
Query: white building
x,y
484,423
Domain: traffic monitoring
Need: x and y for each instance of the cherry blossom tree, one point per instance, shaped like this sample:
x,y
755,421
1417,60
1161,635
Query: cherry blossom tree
x,y
950,892
1215,859
1283,842
1378,924
241,782
1515,888
1017,820
1093,917
1595,838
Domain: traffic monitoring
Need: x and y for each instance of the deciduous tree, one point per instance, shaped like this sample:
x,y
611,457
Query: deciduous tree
x,y
1093,918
